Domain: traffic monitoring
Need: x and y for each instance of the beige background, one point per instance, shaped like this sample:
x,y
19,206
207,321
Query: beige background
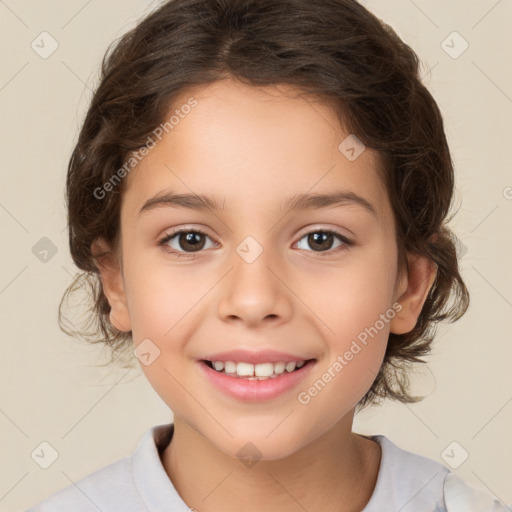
x,y
50,390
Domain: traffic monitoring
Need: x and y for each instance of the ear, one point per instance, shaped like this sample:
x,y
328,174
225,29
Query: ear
x,y
412,292
112,280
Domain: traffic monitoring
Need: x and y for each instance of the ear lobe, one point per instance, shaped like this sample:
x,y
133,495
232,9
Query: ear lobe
x,y
112,282
418,282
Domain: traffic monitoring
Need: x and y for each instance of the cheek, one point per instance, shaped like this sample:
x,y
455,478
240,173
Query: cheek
x,y
355,345
163,303
355,307
161,297
160,302
351,299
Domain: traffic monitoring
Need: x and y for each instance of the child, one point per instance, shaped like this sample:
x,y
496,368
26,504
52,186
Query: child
x,y
258,197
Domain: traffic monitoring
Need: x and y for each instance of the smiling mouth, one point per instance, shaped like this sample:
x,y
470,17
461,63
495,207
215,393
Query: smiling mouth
x,y
261,371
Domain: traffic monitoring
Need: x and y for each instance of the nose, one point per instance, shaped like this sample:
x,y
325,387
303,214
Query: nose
x,y
255,292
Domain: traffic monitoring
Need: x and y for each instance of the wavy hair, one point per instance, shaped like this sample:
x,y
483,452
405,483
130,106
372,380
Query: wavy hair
x,y
335,50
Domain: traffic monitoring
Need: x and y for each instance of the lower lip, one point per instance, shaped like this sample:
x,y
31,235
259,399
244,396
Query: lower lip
x,y
256,390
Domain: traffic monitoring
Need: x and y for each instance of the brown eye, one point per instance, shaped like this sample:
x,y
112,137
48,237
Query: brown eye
x,y
191,241
322,240
185,241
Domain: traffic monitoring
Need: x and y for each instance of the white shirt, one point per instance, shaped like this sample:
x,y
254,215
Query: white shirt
x,y
406,482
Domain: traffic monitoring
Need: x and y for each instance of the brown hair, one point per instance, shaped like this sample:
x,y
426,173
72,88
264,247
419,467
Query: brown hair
x,y
334,50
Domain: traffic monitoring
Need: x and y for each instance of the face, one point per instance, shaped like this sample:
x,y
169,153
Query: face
x,y
256,271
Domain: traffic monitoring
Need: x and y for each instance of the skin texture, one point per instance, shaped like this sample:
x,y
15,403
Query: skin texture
x,y
253,148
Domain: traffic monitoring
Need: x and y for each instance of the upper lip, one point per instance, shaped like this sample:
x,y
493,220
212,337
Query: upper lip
x,y
261,356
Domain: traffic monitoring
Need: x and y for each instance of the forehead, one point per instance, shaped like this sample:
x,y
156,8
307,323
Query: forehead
x,y
242,143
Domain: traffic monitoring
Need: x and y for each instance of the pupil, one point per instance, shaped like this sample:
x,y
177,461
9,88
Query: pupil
x,y
193,239
318,238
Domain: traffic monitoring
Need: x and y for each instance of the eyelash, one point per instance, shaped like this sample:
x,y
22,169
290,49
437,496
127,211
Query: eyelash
x,y
166,238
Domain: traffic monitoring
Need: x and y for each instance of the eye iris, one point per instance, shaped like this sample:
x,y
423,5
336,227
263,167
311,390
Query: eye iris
x,y
193,239
320,237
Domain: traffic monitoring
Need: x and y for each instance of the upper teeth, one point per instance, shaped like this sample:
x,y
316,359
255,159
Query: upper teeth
x,y
258,370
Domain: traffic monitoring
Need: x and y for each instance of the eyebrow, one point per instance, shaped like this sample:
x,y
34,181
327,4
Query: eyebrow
x,y
296,202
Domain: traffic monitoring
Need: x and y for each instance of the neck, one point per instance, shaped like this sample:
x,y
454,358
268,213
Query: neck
x,y
336,472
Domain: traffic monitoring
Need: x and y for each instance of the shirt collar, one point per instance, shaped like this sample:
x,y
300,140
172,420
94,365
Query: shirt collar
x,y
152,482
